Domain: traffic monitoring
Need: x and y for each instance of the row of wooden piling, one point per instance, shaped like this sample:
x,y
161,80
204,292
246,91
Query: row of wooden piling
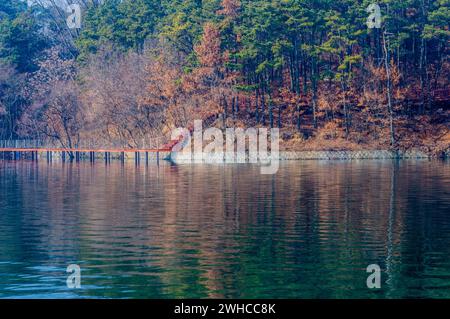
x,y
76,156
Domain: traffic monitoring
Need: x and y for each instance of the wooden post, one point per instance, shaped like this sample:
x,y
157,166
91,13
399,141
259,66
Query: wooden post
x,y
157,158
146,158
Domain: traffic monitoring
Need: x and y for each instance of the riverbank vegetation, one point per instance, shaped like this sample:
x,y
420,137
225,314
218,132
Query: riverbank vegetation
x,y
137,69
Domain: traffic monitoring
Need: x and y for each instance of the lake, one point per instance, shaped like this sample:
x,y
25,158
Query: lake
x,y
219,231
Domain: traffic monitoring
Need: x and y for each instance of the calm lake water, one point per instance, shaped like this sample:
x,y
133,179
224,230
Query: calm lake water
x,y
194,231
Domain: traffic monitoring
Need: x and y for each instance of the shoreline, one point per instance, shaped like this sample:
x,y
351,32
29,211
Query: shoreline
x,y
180,158
186,158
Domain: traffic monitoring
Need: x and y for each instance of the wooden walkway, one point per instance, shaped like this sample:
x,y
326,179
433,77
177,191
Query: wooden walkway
x,y
81,150
77,154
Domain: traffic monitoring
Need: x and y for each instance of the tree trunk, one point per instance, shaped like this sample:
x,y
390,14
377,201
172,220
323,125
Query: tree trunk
x,y
388,89
270,112
279,116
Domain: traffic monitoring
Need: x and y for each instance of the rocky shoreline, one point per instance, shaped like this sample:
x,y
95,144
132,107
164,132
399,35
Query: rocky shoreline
x,y
348,155
315,155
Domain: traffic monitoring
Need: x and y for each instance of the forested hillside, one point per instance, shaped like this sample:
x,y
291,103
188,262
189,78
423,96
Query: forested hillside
x,y
136,69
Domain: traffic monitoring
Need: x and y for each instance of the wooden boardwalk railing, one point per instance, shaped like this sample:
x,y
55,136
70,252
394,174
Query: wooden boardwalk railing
x,y
34,149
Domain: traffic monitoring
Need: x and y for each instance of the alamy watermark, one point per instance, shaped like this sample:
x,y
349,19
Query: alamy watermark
x,y
374,19
374,279
74,14
213,145
74,279
74,19
72,10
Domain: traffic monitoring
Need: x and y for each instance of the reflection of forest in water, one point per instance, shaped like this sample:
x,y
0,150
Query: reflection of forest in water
x,y
227,231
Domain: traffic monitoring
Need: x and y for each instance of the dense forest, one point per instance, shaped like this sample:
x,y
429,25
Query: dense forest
x,y
136,69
